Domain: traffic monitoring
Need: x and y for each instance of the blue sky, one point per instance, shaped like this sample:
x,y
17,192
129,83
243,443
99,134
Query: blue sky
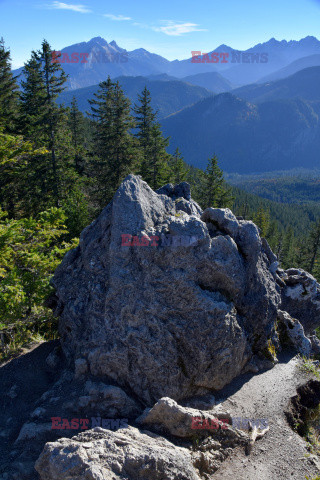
x,y
171,28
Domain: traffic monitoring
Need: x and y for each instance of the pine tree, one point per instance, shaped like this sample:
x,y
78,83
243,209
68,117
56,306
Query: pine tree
x,y
313,246
157,173
76,123
33,109
54,79
40,118
8,92
145,118
287,253
115,148
178,168
262,219
154,167
215,191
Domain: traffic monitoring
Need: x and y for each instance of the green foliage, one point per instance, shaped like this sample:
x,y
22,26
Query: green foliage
x,y
178,168
308,367
115,149
30,250
8,91
154,167
40,116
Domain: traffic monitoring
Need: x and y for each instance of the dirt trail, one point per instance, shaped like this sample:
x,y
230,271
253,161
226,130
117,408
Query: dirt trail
x,y
281,453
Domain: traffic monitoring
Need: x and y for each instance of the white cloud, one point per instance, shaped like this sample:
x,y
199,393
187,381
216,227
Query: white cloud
x,y
119,18
66,6
178,28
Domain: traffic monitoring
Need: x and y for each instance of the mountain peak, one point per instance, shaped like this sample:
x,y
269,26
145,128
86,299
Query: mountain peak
x,y
99,40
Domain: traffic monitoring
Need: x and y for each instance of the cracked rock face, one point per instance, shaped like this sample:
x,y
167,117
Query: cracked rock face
x,y
160,316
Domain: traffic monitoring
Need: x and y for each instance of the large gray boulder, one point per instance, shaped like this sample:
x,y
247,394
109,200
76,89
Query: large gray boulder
x,y
129,454
164,300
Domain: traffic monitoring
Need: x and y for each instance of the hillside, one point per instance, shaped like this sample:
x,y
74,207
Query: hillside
x,y
247,138
296,66
167,96
303,84
281,188
212,81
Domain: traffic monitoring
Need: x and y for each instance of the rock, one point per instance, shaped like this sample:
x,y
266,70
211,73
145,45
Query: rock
x,y
13,392
315,344
301,298
129,454
107,400
200,402
80,367
172,418
169,320
295,333
33,430
53,359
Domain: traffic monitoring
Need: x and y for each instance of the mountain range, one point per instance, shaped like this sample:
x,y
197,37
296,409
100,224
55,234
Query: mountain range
x,y
168,96
247,138
97,59
270,123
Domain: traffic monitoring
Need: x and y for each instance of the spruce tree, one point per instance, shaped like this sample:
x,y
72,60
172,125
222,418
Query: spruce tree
x,y
54,79
157,173
215,191
178,168
33,109
41,116
145,118
8,92
154,167
313,246
115,148
76,123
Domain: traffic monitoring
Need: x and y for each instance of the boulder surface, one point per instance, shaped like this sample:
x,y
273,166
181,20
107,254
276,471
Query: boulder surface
x,y
164,300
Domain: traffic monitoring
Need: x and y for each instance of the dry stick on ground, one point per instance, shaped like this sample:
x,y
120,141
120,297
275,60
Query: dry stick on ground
x,y
254,434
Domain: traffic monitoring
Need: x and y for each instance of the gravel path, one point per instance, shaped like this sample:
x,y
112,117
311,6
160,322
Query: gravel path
x,y
281,453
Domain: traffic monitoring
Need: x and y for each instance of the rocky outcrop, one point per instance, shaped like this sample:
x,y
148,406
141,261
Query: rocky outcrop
x,y
293,333
161,305
301,297
161,316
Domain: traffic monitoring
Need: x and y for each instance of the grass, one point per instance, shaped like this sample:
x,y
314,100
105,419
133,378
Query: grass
x,y
307,366
23,336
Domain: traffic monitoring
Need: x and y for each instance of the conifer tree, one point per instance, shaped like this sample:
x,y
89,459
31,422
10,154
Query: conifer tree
x,y
76,123
54,79
33,109
178,168
145,118
215,191
262,219
154,167
8,92
41,117
115,148
287,253
313,246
